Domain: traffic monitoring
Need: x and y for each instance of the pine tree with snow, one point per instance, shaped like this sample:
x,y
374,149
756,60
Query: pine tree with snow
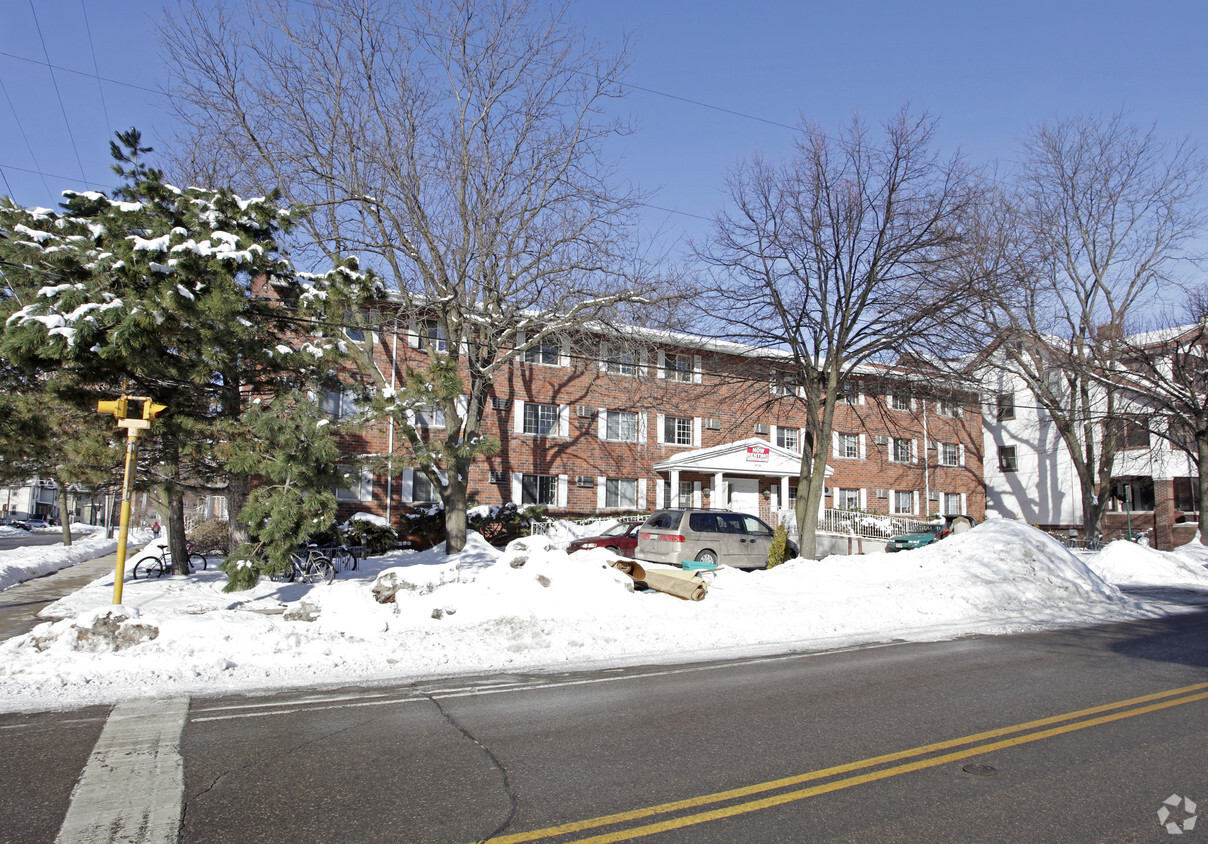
x,y
184,295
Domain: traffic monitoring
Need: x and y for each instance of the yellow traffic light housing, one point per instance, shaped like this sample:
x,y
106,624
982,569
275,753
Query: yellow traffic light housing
x,y
151,410
117,407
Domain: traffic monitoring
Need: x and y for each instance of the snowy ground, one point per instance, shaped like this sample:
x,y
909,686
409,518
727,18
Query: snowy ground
x,y
536,608
21,564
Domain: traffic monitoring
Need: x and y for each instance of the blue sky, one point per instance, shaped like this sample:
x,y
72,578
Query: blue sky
x,y
988,69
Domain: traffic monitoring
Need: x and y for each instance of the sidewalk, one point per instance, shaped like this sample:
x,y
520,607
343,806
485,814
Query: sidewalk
x,y
20,604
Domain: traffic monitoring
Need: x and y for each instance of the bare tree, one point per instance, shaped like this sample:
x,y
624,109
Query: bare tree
x,y
835,258
1076,249
457,147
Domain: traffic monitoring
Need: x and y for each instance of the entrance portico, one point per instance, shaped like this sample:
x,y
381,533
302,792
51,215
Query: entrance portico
x,y
737,471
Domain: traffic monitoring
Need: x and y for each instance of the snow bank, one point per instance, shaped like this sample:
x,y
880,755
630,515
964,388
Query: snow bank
x,y
1130,564
1195,551
20,564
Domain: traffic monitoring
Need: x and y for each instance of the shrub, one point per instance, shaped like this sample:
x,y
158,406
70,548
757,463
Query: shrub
x,y
377,539
501,523
210,535
779,550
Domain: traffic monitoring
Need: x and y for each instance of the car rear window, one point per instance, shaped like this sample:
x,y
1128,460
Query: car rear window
x,y
666,520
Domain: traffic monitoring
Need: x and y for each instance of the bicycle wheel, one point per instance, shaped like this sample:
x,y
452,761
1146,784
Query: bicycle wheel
x,y
319,570
286,576
343,560
197,562
145,567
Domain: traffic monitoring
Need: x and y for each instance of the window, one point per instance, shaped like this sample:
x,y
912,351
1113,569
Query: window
x,y
1006,406
540,419
1186,494
948,407
621,493
902,450
539,489
339,404
422,490
903,501
848,445
621,426
546,353
784,386
899,401
950,454
620,363
1131,431
1006,458
432,335
851,394
686,494
789,438
497,477
677,367
848,499
677,430
952,503
357,483
429,417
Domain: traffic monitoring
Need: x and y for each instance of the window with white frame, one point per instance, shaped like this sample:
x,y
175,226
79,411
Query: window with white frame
x,y
620,362
950,454
355,484
539,489
677,366
899,401
686,494
422,489
789,438
851,393
621,493
540,419
901,450
952,503
429,417
847,499
903,501
432,335
546,353
621,426
848,445
677,430
340,404
949,407
1005,406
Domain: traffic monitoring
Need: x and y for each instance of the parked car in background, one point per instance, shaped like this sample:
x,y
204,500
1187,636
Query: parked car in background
x,y
679,537
929,533
620,539
36,523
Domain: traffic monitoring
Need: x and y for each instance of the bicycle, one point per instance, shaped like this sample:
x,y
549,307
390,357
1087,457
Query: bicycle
x,y
158,561
307,565
344,558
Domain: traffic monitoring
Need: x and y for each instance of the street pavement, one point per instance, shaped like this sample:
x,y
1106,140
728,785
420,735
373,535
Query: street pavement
x,y
20,604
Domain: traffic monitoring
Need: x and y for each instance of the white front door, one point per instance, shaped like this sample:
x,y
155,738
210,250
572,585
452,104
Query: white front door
x,y
744,495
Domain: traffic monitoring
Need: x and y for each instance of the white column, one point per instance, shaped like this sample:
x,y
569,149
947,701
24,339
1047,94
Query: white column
x,y
675,493
718,500
784,492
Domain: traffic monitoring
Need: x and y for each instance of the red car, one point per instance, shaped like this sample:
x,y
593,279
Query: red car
x,y
620,539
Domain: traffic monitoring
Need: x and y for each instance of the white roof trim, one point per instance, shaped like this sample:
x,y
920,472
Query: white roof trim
x,y
735,459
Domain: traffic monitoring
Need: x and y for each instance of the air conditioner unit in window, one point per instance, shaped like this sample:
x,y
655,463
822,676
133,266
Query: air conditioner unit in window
x,y
933,496
500,404
881,440
761,428
584,480
585,412
498,477
882,493
713,424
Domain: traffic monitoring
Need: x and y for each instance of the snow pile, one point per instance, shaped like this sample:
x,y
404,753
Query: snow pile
x,y
21,564
1194,551
1130,564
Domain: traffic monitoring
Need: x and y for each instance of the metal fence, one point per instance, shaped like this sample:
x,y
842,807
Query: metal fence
x,y
542,527
857,523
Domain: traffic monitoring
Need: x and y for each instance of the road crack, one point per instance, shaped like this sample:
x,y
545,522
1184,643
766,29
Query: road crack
x,y
513,799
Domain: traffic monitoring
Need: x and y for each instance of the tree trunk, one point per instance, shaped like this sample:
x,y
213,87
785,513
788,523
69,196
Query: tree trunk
x,y
174,500
1201,448
64,516
238,488
455,508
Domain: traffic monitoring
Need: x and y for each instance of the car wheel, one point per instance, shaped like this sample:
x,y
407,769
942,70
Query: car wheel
x,y
707,556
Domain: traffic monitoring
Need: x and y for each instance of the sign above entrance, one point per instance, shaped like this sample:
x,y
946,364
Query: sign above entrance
x,y
758,453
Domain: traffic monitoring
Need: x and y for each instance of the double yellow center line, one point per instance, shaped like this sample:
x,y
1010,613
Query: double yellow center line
x,y
971,745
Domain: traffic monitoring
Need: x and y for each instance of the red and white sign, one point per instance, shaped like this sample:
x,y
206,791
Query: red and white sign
x,y
758,453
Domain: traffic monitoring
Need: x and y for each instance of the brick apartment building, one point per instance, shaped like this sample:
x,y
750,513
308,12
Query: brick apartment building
x,y
656,419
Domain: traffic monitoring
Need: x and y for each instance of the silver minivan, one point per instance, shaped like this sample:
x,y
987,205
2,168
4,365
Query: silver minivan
x,y
679,537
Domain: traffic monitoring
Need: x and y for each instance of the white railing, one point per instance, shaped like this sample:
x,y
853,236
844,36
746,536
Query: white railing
x,y
856,523
542,527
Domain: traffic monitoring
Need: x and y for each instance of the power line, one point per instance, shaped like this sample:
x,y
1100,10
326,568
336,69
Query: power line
x,y
92,49
24,137
85,74
54,81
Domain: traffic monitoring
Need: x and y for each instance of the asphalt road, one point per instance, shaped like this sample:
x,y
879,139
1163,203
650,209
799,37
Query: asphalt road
x,y
1075,735
22,539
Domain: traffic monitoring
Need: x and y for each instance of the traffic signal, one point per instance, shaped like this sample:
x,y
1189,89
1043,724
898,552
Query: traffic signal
x,y
151,410
117,407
